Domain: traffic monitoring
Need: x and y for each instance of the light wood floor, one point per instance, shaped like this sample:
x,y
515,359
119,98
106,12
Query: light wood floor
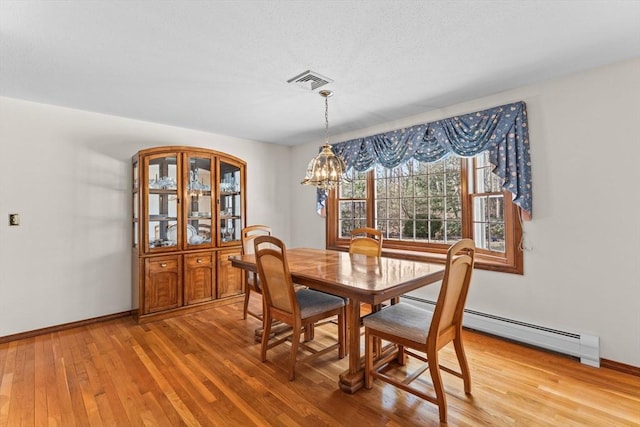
x,y
204,369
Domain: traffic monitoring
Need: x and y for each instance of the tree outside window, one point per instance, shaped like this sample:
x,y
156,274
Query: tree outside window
x,y
425,207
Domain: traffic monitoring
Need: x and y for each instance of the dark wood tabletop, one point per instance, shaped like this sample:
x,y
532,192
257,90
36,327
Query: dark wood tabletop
x,y
361,279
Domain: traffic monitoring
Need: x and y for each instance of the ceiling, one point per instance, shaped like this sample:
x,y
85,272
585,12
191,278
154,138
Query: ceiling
x,y
222,66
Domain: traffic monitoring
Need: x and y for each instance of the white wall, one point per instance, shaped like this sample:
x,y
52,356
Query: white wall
x,y
582,272
67,173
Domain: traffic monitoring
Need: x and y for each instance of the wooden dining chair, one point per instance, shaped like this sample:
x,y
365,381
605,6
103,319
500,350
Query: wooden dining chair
x,y
299,309
366,241
252,281
414,330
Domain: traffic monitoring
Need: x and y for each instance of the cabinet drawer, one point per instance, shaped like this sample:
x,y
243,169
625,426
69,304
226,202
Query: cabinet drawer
x,y
164,264
198,260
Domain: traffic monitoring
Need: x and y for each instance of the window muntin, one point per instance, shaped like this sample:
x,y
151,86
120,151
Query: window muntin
x,y
488,219
426,207
352,203
419,202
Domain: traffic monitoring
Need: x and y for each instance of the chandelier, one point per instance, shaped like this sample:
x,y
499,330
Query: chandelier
x,y
325,170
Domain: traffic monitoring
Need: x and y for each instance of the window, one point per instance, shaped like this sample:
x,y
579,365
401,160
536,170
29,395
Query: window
x,y
422,208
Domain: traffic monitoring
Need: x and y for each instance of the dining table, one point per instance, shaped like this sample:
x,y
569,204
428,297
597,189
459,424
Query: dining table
x,y
360,279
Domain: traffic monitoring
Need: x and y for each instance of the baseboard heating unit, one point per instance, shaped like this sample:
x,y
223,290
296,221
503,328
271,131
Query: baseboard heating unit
x,y
586,347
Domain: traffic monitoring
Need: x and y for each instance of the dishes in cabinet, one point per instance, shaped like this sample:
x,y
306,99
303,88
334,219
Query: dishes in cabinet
x,y
196,239
172,232
201,214
196,186
161,243
165,183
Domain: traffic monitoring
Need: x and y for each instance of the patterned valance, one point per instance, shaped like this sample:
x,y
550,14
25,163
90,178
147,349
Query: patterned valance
x,y
501,130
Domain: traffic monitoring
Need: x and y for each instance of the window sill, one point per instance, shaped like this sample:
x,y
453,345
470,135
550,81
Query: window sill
x,y
482,262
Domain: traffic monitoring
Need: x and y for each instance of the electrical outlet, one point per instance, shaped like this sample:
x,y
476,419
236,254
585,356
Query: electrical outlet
x,y
14,219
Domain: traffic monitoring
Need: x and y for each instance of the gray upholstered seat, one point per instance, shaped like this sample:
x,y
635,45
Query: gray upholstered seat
x,y
404,320
313,302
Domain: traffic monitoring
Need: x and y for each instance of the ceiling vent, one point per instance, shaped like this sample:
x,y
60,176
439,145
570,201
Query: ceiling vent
x,y
310,80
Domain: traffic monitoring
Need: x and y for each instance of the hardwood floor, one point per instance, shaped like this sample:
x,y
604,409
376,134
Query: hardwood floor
x,y
204,369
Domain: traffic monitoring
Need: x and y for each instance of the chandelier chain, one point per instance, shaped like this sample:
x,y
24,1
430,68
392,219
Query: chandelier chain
x,y
326,120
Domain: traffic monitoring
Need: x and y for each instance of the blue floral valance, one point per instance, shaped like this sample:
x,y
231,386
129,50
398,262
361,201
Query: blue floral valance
x,y
502,131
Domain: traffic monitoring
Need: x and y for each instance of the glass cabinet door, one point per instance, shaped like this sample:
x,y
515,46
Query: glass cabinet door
x,y
199,197
162,202
230,202
136,203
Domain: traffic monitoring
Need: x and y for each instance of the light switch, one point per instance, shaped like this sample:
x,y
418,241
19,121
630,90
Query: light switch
x,y
14,219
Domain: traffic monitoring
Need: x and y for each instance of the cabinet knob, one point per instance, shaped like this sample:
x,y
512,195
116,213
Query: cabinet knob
x,y
163,265
199,260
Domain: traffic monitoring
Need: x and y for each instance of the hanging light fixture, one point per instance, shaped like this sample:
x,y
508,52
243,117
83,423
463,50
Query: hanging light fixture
x,y
325,170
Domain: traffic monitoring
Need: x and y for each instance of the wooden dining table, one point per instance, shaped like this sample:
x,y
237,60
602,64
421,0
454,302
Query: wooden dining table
x,y
361,279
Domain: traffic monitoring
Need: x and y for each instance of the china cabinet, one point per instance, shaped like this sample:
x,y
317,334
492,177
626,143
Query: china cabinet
x,y
189,208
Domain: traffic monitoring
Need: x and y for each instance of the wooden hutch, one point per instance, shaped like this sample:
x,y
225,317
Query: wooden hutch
x,y
189,207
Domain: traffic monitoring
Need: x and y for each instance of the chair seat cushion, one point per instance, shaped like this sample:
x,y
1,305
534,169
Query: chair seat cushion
x,y
404,320
313,302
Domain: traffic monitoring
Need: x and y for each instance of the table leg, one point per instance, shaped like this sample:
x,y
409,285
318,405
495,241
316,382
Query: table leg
x,y
352,380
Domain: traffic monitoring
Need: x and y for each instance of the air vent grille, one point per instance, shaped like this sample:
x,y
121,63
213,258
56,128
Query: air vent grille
x,y
310,80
